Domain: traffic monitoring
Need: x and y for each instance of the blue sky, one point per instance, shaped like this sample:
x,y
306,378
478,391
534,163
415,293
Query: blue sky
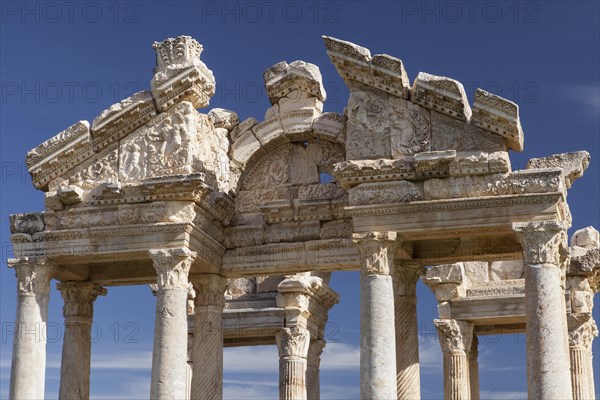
x,y
66,61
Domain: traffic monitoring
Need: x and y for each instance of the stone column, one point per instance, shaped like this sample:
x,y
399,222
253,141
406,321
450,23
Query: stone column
x,y
377,327
544,254
292,344
28,368
169,358
474,368
407,332
207,353
313,380
581,335
455,340
78,311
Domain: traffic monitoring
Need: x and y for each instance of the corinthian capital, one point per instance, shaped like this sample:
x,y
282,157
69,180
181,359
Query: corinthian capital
x,y
543,242
377,251
33,276
209,288
172,267
582,332
293,342
79,298
454,335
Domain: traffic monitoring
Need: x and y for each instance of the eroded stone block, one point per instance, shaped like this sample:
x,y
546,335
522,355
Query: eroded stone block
x,y
498,115
441,94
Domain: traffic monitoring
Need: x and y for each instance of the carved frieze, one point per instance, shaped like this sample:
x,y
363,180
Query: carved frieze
x,y
410,125
368,127
27,223
441,94
385,193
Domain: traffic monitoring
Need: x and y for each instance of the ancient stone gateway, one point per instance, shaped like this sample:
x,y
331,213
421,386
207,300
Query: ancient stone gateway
x,y
239,224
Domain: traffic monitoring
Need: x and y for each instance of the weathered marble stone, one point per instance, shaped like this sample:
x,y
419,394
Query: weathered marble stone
x,y
441,94
122,118
283,78
498,115
573,164
586,237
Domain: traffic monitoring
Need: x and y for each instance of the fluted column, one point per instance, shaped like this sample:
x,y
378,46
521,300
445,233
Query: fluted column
x,y
474,368
78,311
313,369
377,326
581,335
292,344
169,358
455,340
28,367
544,254
407,334
207,376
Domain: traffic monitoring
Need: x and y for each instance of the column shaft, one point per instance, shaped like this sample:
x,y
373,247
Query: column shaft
x,y
79,300
313,380
28,368
455,339
474,369
582,331
377,326
207,376
547,346
292,344
407,335
169,358
548,365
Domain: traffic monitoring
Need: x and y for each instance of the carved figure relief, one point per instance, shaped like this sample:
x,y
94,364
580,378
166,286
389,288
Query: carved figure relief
x,y
410,128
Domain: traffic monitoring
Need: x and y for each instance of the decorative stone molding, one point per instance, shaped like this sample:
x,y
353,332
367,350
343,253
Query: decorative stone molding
x,y
172,267
356,65
543,242
209,288
572,164
293,343
33,275
122,118
441,94
455,335
499,116
377,251
180,75
79,298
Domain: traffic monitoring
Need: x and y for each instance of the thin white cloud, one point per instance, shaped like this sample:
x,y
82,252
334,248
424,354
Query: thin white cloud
x,y
492,395
338,356
587,96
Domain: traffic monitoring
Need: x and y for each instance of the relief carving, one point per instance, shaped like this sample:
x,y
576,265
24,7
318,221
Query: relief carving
x,y
410,128
454,335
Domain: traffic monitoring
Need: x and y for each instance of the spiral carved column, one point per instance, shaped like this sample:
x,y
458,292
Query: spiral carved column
x,y
78,311
207,353
407,335
313,381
